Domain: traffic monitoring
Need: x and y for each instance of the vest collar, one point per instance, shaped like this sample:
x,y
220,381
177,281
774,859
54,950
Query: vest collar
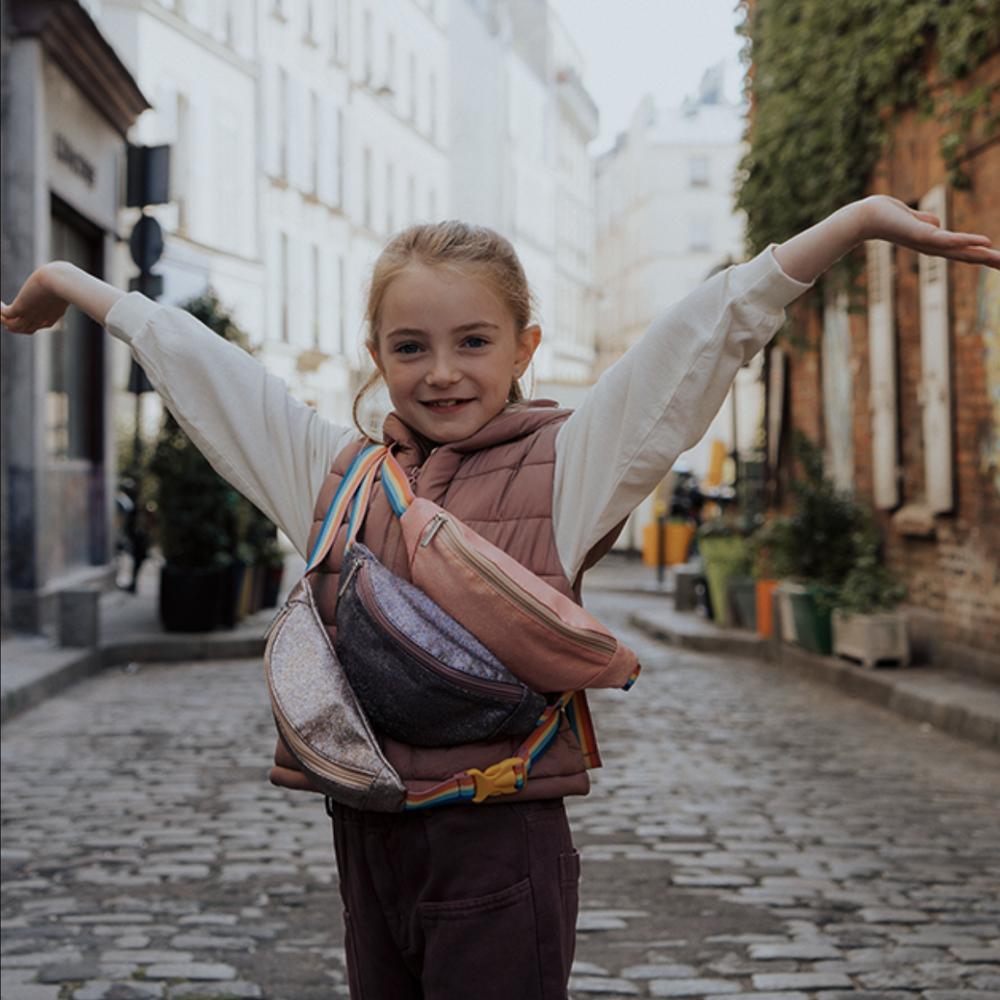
x,y
514,421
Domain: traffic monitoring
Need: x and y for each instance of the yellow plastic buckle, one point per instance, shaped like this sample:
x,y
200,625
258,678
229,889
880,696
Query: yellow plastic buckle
x,y
504,778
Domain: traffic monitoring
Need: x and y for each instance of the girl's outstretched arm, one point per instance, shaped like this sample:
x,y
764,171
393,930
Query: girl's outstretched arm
x,y
806,256
270,446
659,398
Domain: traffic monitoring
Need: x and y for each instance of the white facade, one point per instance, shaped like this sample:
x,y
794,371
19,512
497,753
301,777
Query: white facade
x,y
665,221
354,149
305,133
521,124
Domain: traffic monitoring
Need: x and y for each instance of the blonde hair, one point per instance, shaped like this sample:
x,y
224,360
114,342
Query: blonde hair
x,y
474,251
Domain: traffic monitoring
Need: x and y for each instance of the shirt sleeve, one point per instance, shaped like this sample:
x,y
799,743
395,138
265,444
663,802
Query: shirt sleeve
x,y
659,398
273,448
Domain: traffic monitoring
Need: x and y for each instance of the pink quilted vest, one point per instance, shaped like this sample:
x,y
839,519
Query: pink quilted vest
x,y
499,482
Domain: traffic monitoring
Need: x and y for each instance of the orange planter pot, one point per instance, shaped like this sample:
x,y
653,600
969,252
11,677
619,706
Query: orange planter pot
x,y
765,607
677,543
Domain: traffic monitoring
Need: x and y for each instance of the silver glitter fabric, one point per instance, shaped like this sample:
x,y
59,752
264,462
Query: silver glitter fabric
x,y
318,714
420,676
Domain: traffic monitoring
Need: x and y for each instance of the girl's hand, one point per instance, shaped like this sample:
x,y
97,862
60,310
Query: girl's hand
x,y
888,218
36,305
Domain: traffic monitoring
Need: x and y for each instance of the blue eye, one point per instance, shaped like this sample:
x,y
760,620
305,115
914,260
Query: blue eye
x,y
402,348
482,340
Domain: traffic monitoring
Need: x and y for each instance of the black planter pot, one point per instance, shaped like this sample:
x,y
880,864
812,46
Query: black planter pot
x,y
190,598
272,586
229,603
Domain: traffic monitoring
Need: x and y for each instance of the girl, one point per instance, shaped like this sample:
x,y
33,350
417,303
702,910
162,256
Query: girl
x,y
473,899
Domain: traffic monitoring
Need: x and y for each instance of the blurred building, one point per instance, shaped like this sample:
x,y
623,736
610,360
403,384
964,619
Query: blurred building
x,y
68,101
519,164
355,148
665,222
904,393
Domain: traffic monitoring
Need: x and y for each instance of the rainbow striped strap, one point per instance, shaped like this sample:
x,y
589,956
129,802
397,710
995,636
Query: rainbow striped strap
x,y
364,461
396,485
504,778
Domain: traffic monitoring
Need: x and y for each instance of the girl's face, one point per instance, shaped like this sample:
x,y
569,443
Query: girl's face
x,y
448,350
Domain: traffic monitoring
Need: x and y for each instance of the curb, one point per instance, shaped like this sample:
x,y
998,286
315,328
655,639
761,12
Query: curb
x,y
886,688
151,648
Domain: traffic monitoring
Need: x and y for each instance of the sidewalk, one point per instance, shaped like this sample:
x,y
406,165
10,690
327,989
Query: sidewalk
x,y
32,668
950,700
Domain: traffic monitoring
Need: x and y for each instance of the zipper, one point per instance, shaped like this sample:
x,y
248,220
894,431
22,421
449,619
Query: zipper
x,y
499,689
524,600
355,566
315,761
431,529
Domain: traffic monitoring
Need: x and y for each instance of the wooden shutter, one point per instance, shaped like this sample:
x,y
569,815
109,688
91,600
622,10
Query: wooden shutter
x,y
882,369
838,393
935,357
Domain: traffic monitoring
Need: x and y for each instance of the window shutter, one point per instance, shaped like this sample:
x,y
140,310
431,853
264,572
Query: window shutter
x,y
838,406
882,370
935,358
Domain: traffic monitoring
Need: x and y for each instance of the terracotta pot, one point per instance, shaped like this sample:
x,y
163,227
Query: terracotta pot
x,y
764,593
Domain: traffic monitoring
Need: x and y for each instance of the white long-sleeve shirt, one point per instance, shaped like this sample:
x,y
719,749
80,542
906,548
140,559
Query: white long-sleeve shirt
x,y
655,402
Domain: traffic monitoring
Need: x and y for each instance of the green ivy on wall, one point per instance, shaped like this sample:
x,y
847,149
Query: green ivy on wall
x,y
826,78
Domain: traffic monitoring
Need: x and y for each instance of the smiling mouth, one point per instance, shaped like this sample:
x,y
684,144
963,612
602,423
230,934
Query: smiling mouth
x,y
444,405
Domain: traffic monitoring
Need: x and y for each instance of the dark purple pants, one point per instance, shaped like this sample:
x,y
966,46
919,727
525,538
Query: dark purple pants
x,y
458,901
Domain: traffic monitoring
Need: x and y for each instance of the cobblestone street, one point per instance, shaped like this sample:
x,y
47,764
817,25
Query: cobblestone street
x,y
749,834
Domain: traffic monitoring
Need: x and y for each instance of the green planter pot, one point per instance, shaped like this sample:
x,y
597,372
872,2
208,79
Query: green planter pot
x,y
741,600
720,556
812,623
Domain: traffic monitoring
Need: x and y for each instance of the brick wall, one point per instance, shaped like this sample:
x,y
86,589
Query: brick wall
x,y
954,576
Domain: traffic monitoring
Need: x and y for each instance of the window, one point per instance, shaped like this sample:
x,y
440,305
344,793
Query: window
x,y
182,163
342,324
413,86
283,291
283,123
432,98
698,171
366,188
315,127
316,317
700,234
390,198
368,42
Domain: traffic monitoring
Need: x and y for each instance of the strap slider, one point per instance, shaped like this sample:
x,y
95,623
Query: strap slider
x,y
504,778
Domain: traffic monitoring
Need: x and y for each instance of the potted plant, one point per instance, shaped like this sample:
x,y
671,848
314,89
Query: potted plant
x,y
773,559
866,623
195,531
822,533
203,523
724,555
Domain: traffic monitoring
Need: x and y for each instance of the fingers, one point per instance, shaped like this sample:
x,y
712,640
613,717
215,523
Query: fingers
x,y
283,777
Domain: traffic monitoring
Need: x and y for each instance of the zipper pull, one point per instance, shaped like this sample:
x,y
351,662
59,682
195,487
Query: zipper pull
x,y
431,530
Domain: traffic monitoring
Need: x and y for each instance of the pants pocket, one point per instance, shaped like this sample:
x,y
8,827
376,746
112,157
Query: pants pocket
x,y
569,893
489,941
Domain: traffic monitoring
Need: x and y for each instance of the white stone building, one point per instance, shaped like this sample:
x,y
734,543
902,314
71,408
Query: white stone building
x,y
665,221
521,124
355,147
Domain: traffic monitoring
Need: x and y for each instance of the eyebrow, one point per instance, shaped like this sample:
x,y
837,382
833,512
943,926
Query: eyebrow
x,y
464,328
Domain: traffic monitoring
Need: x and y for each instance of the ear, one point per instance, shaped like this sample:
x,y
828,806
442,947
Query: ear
x,y
527,344
375,358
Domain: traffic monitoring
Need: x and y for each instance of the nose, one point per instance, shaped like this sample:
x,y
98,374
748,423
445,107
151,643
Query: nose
x,y
443,371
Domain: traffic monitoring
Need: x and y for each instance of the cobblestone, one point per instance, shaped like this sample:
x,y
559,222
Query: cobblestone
x,y
751,835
